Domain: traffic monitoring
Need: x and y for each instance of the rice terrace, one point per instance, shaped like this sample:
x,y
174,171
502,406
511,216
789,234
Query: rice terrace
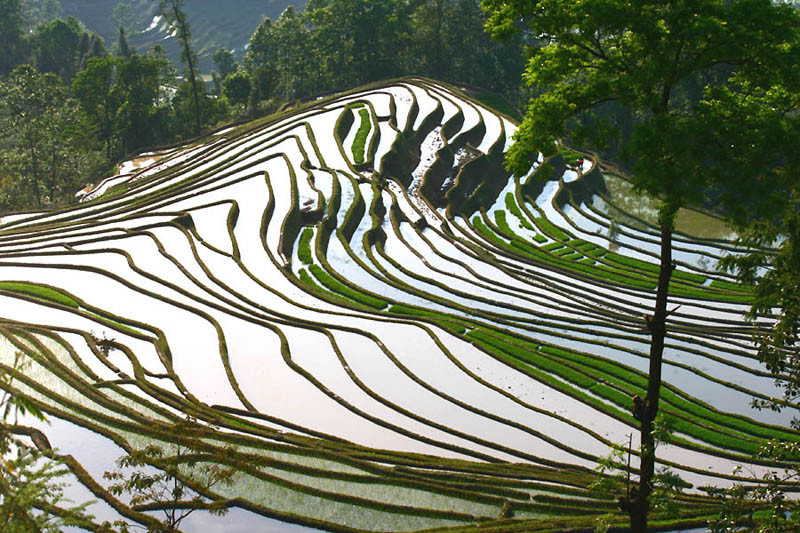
x,y
356,310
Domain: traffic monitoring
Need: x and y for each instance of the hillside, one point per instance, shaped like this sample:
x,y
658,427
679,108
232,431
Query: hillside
x,y
214,24
355,307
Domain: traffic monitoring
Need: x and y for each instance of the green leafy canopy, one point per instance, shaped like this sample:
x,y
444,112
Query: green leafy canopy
x,y
661,73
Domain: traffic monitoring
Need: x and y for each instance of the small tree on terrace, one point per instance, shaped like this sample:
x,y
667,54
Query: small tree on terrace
x,y
652,63
31,485
175,488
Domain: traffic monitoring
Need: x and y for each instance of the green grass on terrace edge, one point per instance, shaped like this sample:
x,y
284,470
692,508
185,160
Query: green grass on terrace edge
x,y
341,289
40,291
304,246
361,136
640,274
618,384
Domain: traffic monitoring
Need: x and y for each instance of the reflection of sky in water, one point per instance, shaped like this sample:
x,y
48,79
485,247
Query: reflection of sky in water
x,y
689,221
548,304
239,521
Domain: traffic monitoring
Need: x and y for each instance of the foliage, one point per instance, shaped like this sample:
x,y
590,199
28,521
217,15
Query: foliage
x,y
180,481
38,12
342,43
212,110
237,87
226,64
776,274
12,35
128,102
29,483
735,508
121,46
773,266
224,61
46,152
63,46
137,89
614,479
94,89
124,20
172,11
764,508
668,69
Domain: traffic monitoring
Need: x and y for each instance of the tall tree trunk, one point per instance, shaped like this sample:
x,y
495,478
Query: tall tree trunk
x,y
637,503
107,126
53,177
184,35
437,45
35,177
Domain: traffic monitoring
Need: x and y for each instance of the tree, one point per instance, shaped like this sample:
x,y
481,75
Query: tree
x,y
124,17
94,88
56,47
261,60
48,151
473,57
654,61
772,234
226,64
121,47
29,486
40,12
43,151
237,87
167,73
63,46
212,110
354,41
137,91
172,11
177,486
334,44
775,311
290,47
12,35
224,61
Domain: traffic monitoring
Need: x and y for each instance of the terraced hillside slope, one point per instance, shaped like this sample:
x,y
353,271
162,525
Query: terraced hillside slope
x,y
359,310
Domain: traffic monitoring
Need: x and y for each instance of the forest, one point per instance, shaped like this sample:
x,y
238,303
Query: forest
x,y
408,265
73,105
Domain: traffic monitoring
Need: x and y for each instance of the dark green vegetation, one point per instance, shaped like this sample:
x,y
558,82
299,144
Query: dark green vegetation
x,y
111,106
688,82
31,477
213,27
339,43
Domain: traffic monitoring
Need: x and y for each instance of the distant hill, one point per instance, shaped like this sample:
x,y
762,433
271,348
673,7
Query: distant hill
x,y
214,24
